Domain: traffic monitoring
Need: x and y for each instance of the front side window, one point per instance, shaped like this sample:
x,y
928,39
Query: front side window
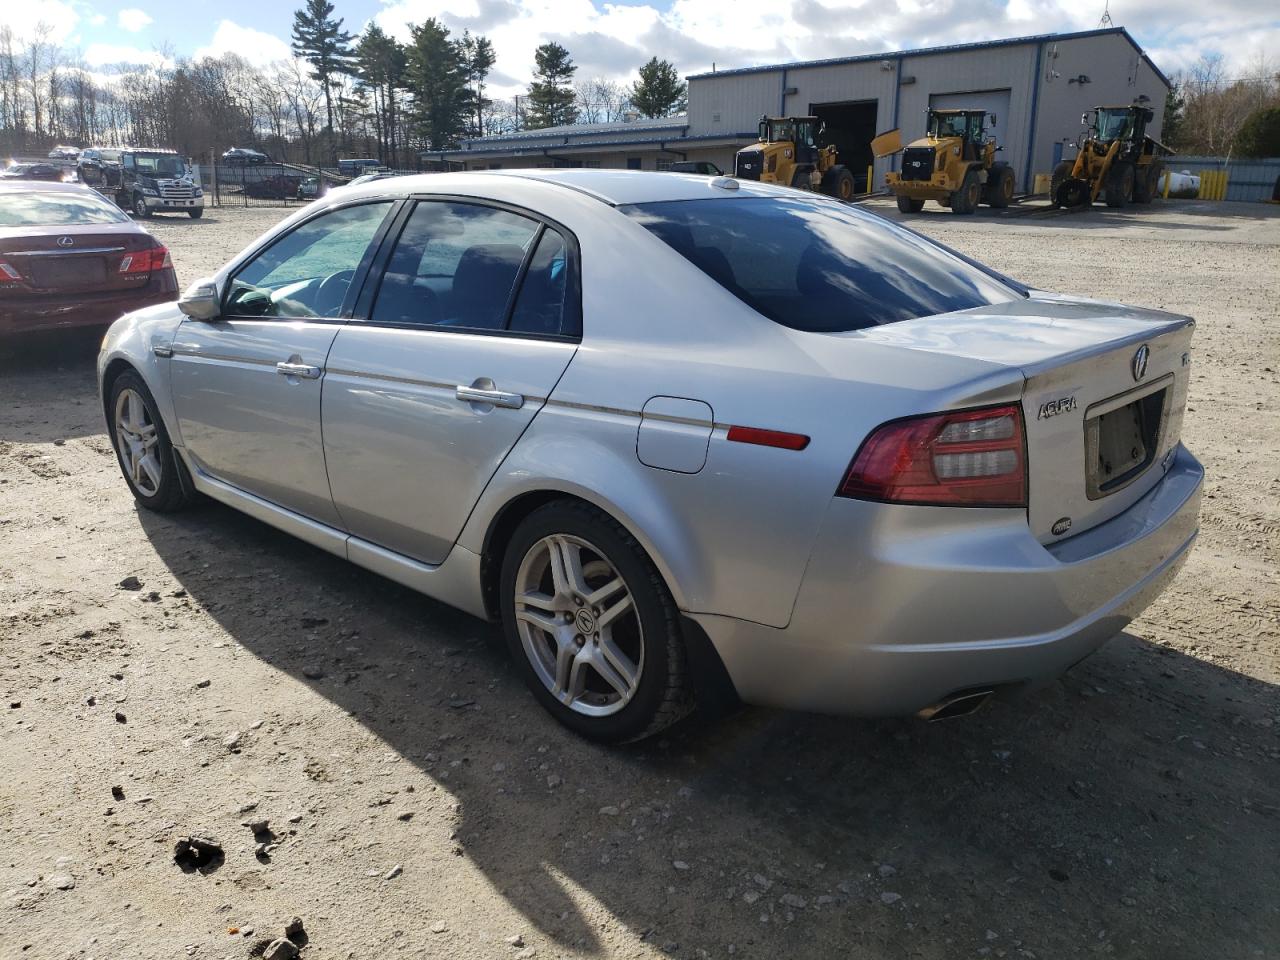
x,y
458,265
815,265
307,272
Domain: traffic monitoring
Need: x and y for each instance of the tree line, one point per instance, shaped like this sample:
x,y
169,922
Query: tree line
x,y
366,95
1211,113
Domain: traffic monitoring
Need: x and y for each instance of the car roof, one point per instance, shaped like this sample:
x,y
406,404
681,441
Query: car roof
x,y
615,187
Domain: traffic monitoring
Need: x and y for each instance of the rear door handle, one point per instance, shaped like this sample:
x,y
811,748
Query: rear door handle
x,y
303,370
499,398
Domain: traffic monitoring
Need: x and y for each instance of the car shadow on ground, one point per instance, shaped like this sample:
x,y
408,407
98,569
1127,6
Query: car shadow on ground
x,y
1130,808
64,359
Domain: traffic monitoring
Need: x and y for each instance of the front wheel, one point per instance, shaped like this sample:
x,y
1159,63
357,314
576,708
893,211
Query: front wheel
x,y
592,625
838,183
999,193
156,476
909,204
965,200
140,208
195,213
1061,173
1119,185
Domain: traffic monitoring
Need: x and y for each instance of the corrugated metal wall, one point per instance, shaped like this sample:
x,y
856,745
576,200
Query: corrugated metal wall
x,y
1247,180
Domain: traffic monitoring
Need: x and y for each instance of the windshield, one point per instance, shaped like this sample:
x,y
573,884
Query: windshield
x,y
812,264
55,210
163,166
1115,124
943,125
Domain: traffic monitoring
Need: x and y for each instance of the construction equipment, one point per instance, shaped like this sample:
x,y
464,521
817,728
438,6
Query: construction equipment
x,y
1115,159
954,164
788,153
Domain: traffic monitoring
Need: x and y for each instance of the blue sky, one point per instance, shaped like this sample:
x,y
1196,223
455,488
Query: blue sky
x,y
612,39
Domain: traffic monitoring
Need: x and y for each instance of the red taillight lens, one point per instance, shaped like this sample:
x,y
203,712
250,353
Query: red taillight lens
x,y
9,273
970,458
144,261
768,438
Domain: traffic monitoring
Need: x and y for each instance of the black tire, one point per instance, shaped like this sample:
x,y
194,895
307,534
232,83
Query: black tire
x,y
909,204
174,491
1145,182
999,191
195,213
1061,173
1119,185
663,693
838,182
965,200
140,208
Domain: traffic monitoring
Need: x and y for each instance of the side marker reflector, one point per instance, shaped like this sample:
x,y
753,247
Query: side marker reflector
x,y
768,438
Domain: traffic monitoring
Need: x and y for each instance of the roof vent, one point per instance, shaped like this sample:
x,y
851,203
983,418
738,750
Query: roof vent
x,y
724,183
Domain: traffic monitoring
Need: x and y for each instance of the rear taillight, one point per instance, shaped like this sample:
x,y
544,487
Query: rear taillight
x,y
9,273
974,458
144,261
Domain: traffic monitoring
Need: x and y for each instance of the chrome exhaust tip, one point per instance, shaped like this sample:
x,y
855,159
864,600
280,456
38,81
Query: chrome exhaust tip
x,y
956,705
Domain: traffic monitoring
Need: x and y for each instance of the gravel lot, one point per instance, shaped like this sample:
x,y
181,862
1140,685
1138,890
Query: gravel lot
x,y
421,803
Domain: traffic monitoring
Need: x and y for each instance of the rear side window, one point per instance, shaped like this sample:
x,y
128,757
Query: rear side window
x,y
816,265
475,267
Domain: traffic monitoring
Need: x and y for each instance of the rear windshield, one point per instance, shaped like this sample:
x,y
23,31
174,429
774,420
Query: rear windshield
x,y
817,265
55,210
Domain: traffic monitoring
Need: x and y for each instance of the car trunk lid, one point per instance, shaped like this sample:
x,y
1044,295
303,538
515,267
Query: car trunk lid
x,y
1104,390
75,259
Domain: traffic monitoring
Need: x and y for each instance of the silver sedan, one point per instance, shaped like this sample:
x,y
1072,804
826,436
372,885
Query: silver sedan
x,y
681,436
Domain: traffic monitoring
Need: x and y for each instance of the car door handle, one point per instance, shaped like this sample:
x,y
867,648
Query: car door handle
x,y
499,398
303,370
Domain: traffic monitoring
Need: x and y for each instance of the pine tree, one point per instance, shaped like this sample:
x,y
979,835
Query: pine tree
x,y
479,58
380,64
320,40
659,92
1174,105
551,96
436,75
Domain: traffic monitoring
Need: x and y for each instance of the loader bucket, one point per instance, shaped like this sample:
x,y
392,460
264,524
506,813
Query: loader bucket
x,y
887,144
1073,192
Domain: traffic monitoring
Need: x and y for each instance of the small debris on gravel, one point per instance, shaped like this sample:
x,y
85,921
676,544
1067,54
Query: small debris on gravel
x,y
117,793
793,900
233,740
201,684
15,704
439,927
293,927
121,718
259,825
393,872
312,672
406,816
202,854
1059,875
516,941
130,583
679,864
888,898
62,881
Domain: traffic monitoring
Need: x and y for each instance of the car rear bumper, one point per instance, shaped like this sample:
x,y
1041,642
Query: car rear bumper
x,y
902,607
54,313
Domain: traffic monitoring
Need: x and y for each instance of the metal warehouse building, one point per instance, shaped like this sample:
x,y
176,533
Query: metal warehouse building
x,y
1037,87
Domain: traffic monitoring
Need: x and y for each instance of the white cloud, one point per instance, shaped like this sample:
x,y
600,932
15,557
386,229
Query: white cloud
x,y
133,19
613,39
26,17
105,54
257,47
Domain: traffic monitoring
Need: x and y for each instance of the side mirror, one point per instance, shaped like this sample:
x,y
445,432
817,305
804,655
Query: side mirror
x,y
1084,119
201,301
992,118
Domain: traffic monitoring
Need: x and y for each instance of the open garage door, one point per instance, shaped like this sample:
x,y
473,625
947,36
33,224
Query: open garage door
x,y
851,126
992,101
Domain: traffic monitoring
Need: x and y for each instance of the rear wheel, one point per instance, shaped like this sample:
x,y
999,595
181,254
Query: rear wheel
x,y
965,200
999,192
156,476
1119,185
838,182
140,208
592,625
909,204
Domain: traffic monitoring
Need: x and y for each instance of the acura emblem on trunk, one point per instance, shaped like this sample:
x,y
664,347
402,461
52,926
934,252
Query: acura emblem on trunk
x,y
1139,365
65,241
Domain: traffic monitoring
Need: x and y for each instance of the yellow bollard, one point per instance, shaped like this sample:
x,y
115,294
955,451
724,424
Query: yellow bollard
x,y
1168,179
871,172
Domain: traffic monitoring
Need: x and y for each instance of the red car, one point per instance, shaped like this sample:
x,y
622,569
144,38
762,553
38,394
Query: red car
x,y
69,258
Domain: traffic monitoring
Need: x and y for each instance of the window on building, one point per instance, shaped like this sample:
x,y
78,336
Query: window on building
x,y
664,164
633,163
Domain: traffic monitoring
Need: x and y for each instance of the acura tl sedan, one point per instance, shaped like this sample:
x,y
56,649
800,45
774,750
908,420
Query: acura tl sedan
x,y
69,257
679,435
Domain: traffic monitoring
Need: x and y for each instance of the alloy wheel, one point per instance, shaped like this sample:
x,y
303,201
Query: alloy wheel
x,y
138,442
578,625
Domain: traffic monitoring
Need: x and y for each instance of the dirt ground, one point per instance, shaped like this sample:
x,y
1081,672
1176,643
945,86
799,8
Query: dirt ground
x,y
422,805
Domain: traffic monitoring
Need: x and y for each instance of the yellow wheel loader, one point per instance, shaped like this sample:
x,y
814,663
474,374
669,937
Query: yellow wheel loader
x,y
788,153
1115,159
954,164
